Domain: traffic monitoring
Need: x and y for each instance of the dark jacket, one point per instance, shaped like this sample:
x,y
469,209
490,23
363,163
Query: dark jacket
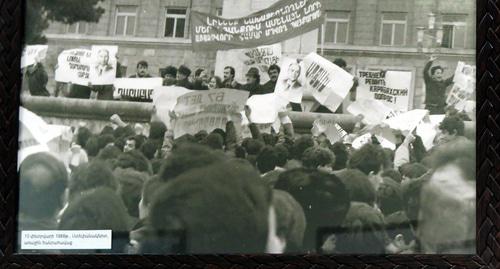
x,y
137,76
37,79
184,83
268,87
253,88
228,84
435,91
198,86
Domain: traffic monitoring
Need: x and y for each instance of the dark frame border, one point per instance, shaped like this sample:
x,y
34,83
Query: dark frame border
x,y
487,164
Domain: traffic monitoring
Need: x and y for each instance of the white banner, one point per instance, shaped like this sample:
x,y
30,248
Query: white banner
x,y
103,65
464,86
333,131
74,66
243,59
390,87
33,54
165,99
328,83
367,138
136,89
407,122
373,111
207,110
264,108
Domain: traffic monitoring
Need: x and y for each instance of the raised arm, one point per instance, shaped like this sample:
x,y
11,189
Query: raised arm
x,y
427,75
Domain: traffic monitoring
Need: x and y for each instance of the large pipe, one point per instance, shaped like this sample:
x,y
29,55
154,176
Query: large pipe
x,y
67,108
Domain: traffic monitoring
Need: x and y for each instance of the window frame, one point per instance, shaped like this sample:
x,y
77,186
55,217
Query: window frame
x,y
393,30
126,15
456,24
336,21
78,26
175,17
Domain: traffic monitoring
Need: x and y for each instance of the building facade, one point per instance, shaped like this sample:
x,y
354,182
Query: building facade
x,y
368,34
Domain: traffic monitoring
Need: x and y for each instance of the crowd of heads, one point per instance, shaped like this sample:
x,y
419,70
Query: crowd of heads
x,y
213,192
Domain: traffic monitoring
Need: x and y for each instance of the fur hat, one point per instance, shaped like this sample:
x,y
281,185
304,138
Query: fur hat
x,y
184,70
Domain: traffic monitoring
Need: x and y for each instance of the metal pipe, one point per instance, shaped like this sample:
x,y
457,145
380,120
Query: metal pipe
x,y
67,108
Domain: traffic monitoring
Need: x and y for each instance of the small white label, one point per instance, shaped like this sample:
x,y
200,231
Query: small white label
x,y
68,239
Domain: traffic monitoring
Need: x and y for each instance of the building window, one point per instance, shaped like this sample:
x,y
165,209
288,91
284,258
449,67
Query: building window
x,y
454,29
218,12
393,29
335,30
125,21
77,28
175,22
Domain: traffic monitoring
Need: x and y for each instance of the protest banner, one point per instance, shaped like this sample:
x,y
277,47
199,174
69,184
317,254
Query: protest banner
x,y
103,65
35,135
367,138
74,66
291,81
281,21
333,131
428,129
243,59
328,83
407,122
464,86
263,108
165,99
392,88
207,110
136,89
33,54
373,111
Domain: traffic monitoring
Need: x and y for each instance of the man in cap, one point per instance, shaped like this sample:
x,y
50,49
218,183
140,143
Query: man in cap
x,y
182,77
253,82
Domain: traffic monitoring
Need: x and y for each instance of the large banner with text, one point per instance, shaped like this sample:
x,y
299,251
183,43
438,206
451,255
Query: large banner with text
x,y
283,20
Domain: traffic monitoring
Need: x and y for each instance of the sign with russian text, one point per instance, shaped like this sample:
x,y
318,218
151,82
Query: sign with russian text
x,y
390,87
33,54
73,66
207,110
136,89
328,83
283,20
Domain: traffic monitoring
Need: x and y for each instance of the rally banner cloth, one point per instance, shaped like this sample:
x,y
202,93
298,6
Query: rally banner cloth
x,y
284,20
136,89
464,86
389,87
243,59
33,54
207,110
328,83
74,66
165,99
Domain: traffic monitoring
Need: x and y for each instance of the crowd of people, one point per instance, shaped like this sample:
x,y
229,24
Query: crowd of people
x,y
214,192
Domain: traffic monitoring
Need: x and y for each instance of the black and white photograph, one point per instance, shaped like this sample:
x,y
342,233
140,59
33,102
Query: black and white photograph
x,y
248,126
